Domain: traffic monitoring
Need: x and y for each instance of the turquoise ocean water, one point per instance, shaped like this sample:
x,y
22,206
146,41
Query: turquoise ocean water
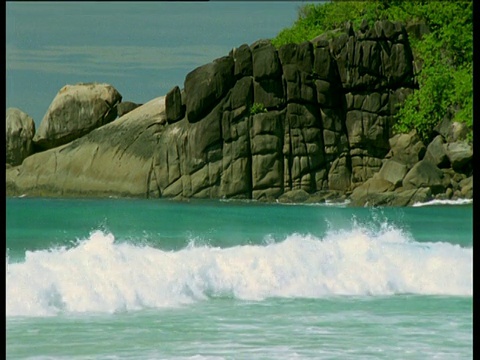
x,y
157,279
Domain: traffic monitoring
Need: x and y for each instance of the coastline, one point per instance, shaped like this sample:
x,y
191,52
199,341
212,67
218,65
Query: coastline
x,y
255,132
344,202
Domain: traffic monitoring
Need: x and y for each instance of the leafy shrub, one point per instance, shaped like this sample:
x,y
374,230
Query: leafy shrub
x,y
257,108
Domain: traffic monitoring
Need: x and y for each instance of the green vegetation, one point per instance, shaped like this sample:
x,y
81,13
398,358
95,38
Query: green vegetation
x,y
446,78
257,108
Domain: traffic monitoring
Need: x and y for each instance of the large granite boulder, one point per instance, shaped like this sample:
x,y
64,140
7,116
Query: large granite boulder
x,y
406,149
266,63
436,152
20,129
294,196
242,57
393,171
451,130
268,87
371,187
460,154
75,111
425,174
398,197
113,160
206,85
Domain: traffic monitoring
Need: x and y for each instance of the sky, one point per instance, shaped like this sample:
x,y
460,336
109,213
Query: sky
x,y
142,49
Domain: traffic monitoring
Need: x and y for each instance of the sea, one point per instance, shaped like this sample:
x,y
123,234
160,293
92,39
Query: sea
x,y
232,279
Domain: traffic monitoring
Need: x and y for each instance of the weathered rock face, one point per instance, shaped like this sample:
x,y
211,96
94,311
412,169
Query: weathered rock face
x,y
302,123
75,111
417,175
113,160
20,129
451,131
322,129
460,155
206,85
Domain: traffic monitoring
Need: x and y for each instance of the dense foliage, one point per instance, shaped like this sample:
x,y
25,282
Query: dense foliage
x,y
446,53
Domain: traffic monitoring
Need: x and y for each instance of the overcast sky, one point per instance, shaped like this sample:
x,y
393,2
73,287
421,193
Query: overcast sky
x,y
143,49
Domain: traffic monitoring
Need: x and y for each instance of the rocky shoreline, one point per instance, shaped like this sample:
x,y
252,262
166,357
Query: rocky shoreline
x,y
306,123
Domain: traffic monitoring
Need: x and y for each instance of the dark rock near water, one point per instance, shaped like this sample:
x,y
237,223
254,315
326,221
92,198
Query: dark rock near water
x,y
424,174
308,122
294,196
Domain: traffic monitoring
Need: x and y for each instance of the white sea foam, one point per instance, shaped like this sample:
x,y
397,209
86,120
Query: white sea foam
x,y
343,203
101,275
445,202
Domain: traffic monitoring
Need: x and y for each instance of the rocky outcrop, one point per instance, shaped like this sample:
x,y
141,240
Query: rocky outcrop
x,y
305,122
125,107
20,129
75,111
329,112
417,173
460,155
113,160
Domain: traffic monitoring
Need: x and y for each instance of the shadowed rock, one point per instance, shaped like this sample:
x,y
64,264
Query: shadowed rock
x,y
206,85
174,105
125,107
20,129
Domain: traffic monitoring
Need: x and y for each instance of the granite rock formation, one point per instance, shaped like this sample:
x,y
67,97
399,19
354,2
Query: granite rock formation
x,y
305,122
20,129
75,111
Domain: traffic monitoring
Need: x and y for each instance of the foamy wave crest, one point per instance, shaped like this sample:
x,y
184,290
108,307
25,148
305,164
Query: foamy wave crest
x,y
100,275
445,202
